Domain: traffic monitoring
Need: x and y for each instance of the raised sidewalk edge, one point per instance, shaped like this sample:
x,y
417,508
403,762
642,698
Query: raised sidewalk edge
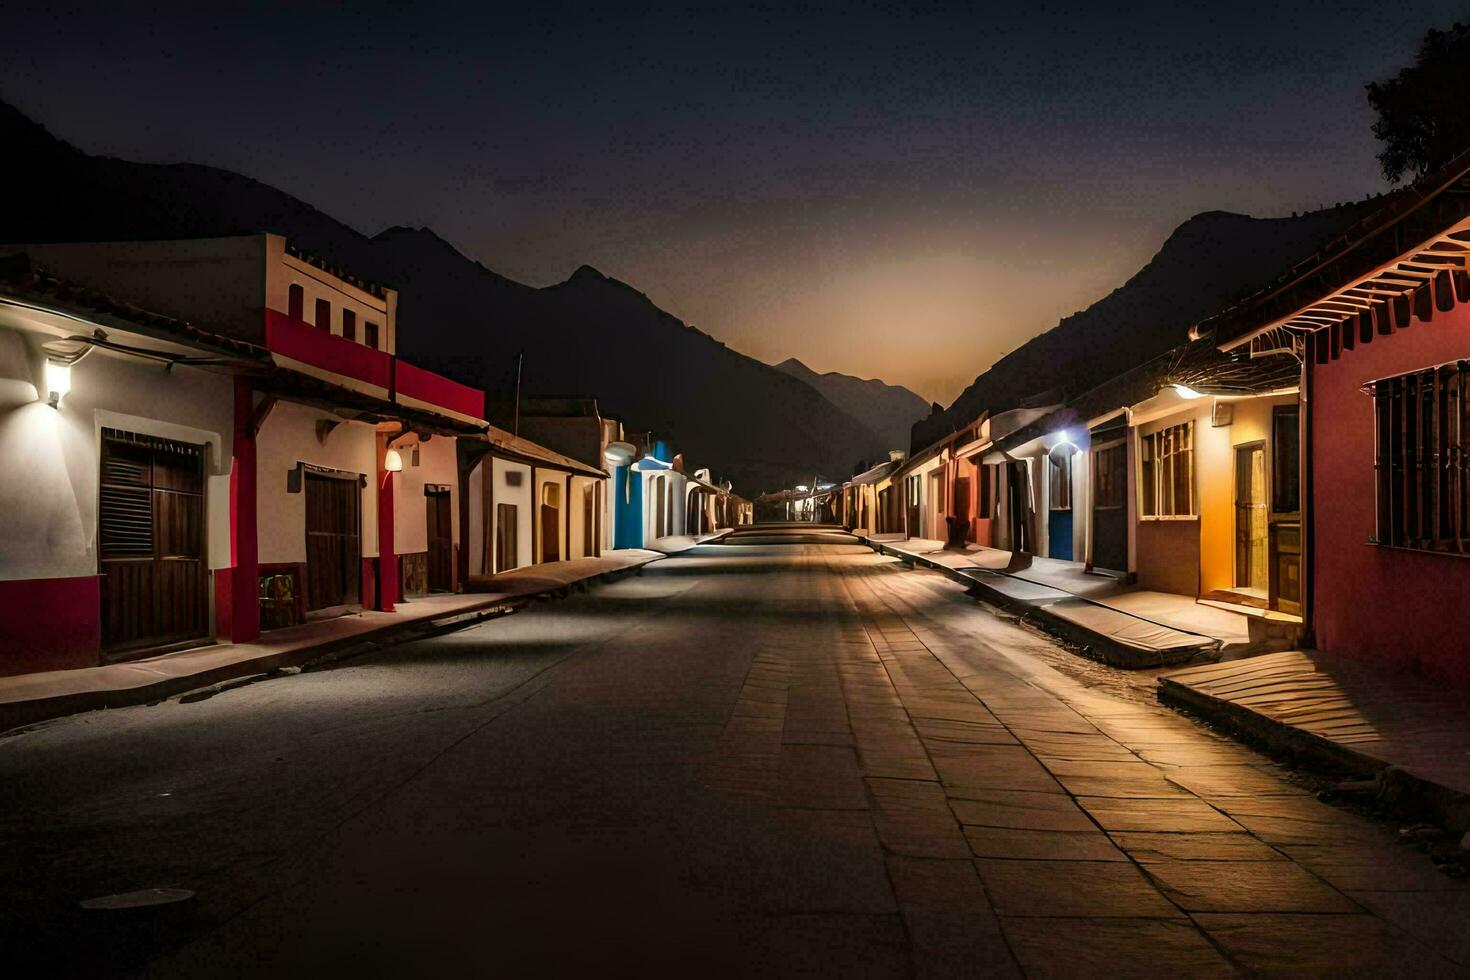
x,y
1405,789
1100,645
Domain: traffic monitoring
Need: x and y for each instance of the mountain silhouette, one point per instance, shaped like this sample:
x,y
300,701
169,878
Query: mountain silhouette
x,y
1206,262
888,410
587,336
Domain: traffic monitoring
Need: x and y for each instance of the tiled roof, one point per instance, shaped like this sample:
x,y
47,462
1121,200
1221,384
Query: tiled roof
x,y
25,280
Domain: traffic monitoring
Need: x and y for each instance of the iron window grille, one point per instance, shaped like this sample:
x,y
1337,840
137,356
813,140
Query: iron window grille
x,y
1421,438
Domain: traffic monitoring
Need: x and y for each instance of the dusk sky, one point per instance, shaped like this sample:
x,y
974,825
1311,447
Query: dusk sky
x,y
876,190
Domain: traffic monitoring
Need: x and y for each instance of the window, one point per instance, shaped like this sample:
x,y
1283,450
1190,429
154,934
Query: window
x,y
370,334
324,315
1109,476
349,325
1059,473
1286,460
1168,472
296,301
1422,437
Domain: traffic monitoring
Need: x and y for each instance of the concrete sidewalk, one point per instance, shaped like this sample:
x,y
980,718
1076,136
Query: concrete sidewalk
x,y
1410,734
26,699
1115,622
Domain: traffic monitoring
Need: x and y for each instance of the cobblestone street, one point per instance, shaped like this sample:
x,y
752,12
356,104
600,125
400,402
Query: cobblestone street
x,y
756,758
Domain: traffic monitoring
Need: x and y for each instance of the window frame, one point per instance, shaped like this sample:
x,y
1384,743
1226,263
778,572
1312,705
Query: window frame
x,y
1164,445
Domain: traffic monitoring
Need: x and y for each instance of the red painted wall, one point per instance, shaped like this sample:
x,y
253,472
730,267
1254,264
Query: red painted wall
x,y
301,341
426,386
54,624
1403,608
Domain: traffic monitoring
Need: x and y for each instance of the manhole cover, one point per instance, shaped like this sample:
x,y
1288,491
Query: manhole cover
x,y
139,899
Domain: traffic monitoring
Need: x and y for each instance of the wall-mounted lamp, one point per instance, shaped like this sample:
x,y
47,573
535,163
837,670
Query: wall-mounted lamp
x,y
1187,393
392,462
60,356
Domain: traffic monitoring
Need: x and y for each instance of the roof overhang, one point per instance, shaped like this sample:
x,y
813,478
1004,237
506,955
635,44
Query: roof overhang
x,y
1366,275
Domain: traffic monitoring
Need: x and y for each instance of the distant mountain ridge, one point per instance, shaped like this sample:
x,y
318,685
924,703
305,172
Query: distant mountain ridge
x,y
888,410
588,336
1206,262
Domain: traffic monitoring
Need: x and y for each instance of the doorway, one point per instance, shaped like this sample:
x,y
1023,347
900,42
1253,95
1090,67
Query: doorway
x,y
1018,502
1059,504
507,532
151,536
913,527
550,522
1251,557
333,551
441,542
1109,506
591,539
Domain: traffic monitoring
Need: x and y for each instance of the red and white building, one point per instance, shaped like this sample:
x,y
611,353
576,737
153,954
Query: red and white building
x,y
219,438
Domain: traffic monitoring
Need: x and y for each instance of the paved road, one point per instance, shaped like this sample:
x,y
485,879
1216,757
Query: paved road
x,y
761,757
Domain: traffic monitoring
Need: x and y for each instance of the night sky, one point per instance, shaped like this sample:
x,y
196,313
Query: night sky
x,y
879,190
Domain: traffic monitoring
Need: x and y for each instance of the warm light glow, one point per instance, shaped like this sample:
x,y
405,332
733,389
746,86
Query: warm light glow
x,y
1184,391
392,462
58,381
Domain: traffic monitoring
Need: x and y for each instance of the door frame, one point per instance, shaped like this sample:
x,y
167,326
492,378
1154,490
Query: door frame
x,y
359,480
153,646
433,494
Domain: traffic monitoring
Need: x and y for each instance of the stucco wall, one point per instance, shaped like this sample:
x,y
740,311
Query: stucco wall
x,y
289,437
48,489
436,465
521,496
49,573
284,270
1395,606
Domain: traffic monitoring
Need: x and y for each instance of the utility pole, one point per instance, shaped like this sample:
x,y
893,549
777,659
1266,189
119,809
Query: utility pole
x,y
516,427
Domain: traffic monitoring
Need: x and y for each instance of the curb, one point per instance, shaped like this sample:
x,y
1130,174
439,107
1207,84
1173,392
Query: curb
x,y
21,714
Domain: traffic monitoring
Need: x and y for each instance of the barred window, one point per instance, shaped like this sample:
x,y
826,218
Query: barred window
x,y
1422,437
1168,471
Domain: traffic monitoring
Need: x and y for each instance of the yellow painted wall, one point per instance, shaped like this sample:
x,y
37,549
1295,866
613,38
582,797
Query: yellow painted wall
x,y
1214,475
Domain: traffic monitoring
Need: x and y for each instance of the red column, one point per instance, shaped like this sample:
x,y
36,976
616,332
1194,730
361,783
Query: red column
x,y
387,558
239,602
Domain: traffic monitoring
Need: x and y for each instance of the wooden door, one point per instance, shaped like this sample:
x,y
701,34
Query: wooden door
x,y
1110,506
151,531
333,548
441,546
1251,554
506,534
